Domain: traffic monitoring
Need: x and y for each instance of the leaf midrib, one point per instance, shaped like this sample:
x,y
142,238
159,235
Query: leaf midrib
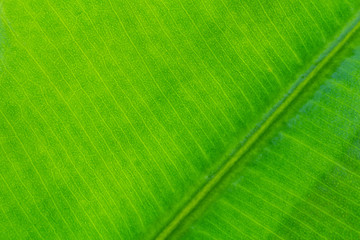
x,y
262,127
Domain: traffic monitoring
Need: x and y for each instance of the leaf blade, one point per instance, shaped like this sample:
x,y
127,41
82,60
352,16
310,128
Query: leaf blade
x,y
86,89
303,181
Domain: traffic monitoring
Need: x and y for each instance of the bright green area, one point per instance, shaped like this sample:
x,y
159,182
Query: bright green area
x,y
304,182
113,113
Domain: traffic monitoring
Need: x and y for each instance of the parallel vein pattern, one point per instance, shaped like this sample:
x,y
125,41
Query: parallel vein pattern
x,y
306,183
113,113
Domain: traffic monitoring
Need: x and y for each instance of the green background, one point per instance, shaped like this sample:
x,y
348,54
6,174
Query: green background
x,y
114,113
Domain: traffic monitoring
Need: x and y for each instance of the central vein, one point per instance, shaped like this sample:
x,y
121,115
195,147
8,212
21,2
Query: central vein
x,y
261,128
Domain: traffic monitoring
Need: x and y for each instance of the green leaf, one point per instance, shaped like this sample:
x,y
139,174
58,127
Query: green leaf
x,y
210,119
303,181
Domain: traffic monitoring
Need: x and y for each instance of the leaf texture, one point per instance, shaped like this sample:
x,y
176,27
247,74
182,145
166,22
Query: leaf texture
x,y
113,114
304,182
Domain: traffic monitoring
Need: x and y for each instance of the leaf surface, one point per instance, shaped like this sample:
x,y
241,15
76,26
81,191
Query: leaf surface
x,y
115,114
303,181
